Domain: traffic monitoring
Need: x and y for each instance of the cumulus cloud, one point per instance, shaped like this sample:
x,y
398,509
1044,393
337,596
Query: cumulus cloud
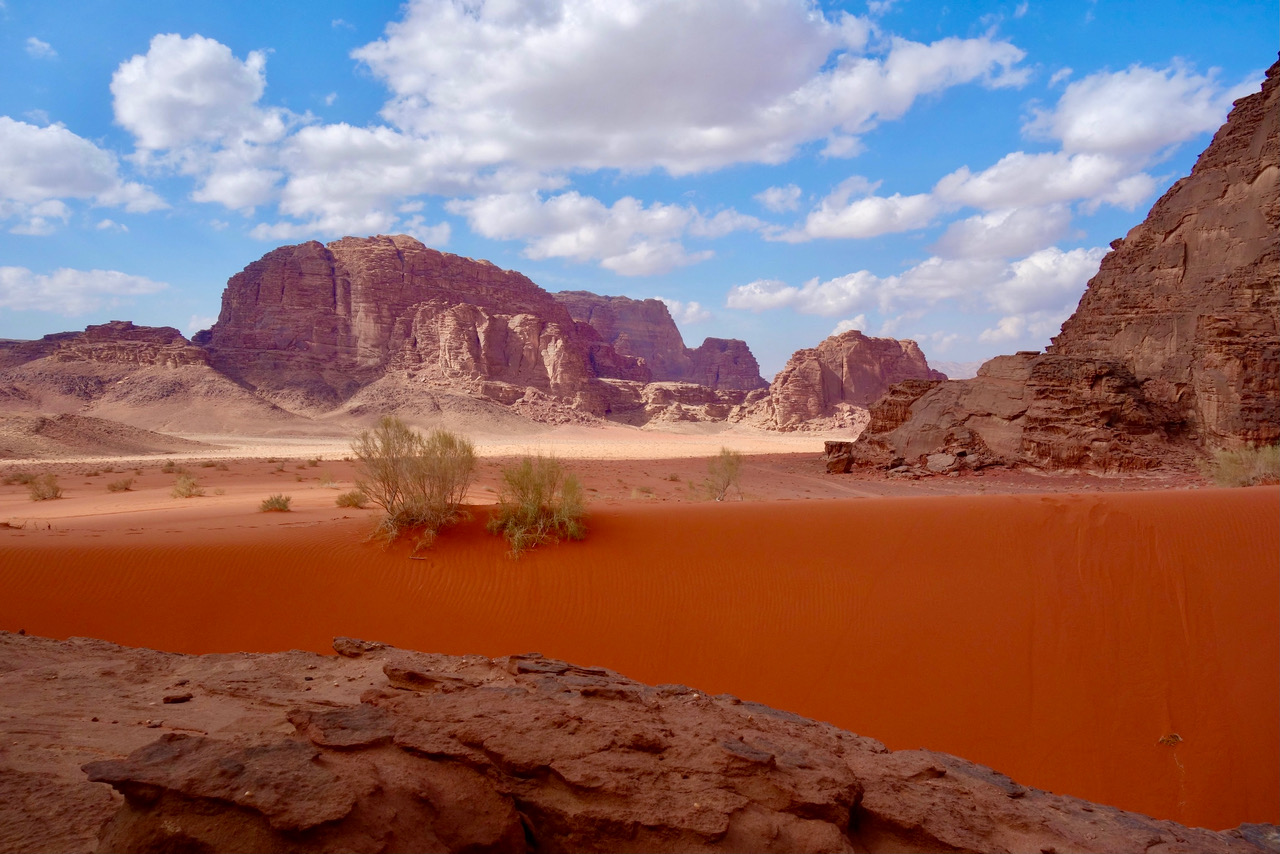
x,y
69,292
849,324
1004,233
42,166
867,216
1032,292
634,85
627,237
198,322
38,49
1020,179
190,104
686,312
780,199
1137,112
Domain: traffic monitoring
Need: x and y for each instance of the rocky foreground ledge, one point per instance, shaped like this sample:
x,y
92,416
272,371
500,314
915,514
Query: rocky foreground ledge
x,y
382,749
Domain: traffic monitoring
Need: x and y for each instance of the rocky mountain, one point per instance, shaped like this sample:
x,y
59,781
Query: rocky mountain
x,y
644,329
1173,347
381,749
830,386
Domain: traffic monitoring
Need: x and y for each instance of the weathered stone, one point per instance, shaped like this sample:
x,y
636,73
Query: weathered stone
x,y
1173,348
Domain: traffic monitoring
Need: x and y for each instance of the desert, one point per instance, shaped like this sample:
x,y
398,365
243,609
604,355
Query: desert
x,y
581,457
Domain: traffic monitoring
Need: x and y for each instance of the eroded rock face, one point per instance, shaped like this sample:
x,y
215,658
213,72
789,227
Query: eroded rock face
x,y
1174,345
527,753
645,330
311,324
839,378
1189,299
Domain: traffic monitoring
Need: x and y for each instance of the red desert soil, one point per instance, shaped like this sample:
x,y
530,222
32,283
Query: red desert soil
x,y
1064,639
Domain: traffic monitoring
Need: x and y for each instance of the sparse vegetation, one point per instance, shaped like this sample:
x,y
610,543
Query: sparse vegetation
x,y
275,504
723,472
1244,467
44,487
539,502
19,477
186,487
314,462
418,481
207,464
122,485
222,467
219,491
326,479
169,467
354,498
93,473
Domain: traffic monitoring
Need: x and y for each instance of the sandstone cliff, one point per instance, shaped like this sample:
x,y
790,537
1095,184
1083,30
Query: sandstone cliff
x,y
830,386
1174,345
309,325
645,330
381,749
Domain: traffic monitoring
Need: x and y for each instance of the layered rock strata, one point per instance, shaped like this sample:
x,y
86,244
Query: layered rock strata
x,y
644,329
1174,345
380,749
832,384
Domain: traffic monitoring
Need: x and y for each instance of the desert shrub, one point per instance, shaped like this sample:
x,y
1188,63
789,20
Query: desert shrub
x,y
723,471
1244,467
169,467
20,477
418,481
275,504
326,479
93,473
44,487
222,467
219,491
186,487
207,464
539,502
354,498
122,485
313,462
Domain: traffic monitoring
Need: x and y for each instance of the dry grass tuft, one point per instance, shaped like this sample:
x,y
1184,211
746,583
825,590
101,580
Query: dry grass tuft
x,y
723,473
275,504
1244,467
539,502
44,487
354,498
123,485
186,487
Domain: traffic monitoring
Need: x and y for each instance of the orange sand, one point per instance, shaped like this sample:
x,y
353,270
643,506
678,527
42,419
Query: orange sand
x,y
1056,638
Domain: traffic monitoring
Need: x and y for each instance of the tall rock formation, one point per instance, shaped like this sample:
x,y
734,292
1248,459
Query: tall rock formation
x,y
645,330
825,385
309,325
1174,345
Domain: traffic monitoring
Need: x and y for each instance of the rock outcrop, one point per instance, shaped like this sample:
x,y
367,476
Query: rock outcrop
x,y
831,385
644,329
1173,348
380,749
309,325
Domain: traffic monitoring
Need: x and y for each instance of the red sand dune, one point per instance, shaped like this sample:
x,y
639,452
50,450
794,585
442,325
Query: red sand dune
x,y
1057,638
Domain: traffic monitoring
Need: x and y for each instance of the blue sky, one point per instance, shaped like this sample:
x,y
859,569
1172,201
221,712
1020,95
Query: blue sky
x,y
775,169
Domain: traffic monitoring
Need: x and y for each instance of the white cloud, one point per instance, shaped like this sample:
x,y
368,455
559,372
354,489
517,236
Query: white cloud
x,y
859,323
331,99
1047,283
1024,180
686,312
1137,112
198,322
69,292
1004,233
110,225
37,49
1060,75
868,216
627,237
634,85
435,236
41,166
193,90
1021,9
193,106
780,199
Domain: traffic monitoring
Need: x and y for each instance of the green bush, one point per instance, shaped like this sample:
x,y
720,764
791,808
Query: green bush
x,y
1244,467
354,498
123,485
186,487
275,504
723,471
44,487
539,502
418,481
